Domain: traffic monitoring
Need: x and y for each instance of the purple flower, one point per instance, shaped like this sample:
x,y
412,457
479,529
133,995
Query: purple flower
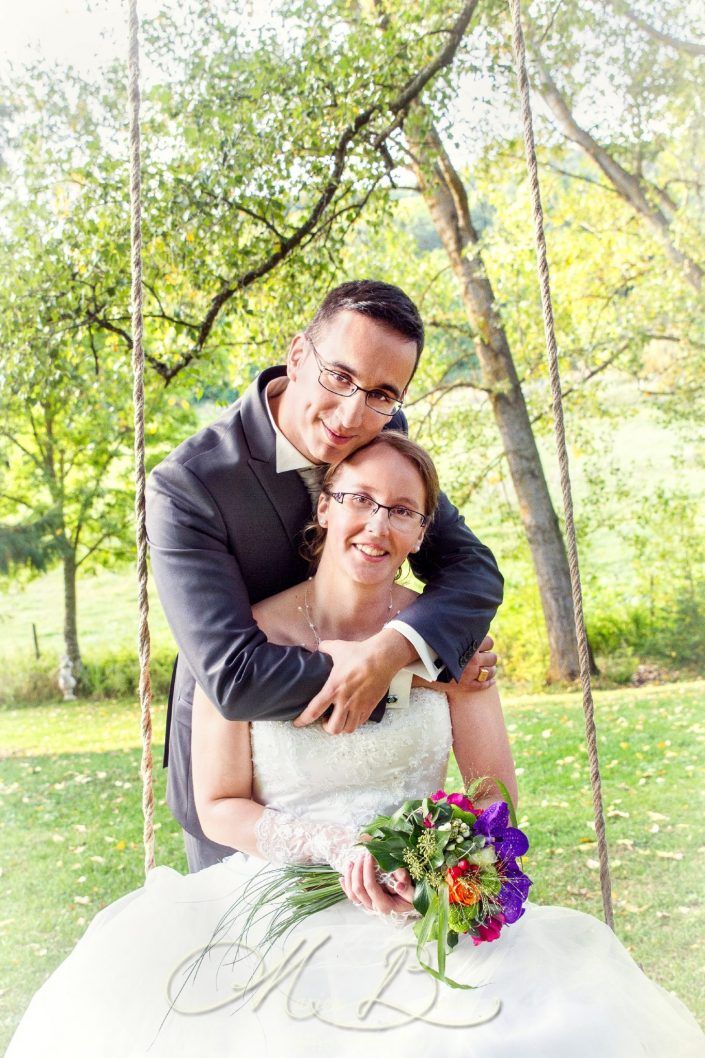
x,y
493,821
494,825
514,892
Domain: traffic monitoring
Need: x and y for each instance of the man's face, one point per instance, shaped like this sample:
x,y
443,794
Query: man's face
x,y
324,426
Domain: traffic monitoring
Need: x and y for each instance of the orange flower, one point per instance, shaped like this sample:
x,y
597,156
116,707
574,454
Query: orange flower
x,y
462,890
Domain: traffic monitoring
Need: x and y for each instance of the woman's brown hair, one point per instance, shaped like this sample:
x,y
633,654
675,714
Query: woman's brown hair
x,y
315,534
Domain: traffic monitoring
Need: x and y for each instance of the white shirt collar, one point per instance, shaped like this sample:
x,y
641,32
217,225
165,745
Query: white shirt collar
x,y
287,457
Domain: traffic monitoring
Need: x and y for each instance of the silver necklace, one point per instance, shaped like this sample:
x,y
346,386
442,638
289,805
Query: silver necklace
x,y
306,611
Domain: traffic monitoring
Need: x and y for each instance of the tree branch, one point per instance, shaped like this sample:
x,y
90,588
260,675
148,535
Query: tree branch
x,y
162,315
338,159
628,185
17,499
690,47
96,545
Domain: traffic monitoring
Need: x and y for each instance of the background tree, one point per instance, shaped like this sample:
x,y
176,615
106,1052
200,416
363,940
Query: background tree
x,y
276,162
65,439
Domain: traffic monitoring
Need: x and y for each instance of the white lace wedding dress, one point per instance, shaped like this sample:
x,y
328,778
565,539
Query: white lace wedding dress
x,y
557,984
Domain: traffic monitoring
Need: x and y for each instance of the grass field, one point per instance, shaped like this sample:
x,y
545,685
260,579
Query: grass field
x,y
70,836
107,614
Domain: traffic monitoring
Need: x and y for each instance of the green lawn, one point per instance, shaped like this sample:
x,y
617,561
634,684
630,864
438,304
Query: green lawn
x,y
70,830
107,614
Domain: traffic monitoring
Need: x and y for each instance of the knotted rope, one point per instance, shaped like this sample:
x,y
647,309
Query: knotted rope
x,y
559,428
145,686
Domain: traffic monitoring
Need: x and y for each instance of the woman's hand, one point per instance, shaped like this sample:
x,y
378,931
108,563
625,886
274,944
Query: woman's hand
x,y
361,885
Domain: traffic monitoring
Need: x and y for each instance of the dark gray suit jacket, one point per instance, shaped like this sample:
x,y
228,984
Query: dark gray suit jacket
x,y
223,532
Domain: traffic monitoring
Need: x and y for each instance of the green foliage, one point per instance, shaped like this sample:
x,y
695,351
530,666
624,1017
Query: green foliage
x,y
247,223
27,545
108,674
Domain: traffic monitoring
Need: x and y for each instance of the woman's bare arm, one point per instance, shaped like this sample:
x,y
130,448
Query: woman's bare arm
x,y
221,755
480,741
222,777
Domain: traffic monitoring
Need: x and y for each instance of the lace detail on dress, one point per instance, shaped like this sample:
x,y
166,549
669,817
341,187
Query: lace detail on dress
x,y
320,789
350,779
282,838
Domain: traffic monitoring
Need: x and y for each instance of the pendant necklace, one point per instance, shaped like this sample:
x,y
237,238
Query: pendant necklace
x,y
306,611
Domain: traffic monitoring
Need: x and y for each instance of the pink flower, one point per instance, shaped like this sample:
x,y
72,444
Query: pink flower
x,y
439,795
490,930
462,802
427,821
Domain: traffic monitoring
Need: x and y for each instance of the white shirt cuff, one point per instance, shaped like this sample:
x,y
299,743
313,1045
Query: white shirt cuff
x,y
400,689
428,666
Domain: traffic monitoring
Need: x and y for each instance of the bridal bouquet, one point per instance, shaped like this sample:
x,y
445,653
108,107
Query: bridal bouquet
x,y
462,859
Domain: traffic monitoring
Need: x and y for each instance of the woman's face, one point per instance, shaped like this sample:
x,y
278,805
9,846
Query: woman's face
x,y
371,549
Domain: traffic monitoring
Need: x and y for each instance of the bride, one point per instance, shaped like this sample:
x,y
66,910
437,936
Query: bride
x,y
166,971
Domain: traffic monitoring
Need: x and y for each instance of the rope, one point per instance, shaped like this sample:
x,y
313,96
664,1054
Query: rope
x,y
145,685
549,328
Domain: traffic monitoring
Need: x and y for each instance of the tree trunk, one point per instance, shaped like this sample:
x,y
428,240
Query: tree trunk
x,y
445,196
70,626
629,186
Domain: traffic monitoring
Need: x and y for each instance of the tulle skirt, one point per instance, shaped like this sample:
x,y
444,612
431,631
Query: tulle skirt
x,y
556,984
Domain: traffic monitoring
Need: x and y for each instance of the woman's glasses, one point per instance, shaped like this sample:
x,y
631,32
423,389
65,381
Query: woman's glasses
x,y
400,517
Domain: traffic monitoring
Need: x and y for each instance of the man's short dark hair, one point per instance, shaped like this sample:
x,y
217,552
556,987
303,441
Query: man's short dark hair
x,y
377,300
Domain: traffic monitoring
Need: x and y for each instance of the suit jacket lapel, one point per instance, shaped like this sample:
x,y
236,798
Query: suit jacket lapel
x,y
286,492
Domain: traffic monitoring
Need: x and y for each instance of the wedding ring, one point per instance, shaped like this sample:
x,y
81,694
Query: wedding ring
x,y
483,674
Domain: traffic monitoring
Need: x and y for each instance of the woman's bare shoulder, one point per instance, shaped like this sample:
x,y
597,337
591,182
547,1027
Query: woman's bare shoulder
x,y
279,616
403,596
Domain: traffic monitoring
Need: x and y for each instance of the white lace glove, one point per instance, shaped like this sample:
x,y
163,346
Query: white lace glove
x,y
282,838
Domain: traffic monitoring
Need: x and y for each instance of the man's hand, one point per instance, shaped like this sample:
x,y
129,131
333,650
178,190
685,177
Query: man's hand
x,y
361,674
483,659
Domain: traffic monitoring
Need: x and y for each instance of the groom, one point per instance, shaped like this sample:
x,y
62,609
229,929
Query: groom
x,y
224,515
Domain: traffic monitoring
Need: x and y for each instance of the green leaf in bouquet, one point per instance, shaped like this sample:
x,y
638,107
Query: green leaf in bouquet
x,y
426,926
402,814
427,929
490,880
466,848
444,812
438,858
442,929
376,826
466,817
510,804
387,857
422,896
483,857
442,838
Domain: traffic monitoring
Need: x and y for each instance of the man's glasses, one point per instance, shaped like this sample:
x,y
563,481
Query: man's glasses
x,y
400,517
340,383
